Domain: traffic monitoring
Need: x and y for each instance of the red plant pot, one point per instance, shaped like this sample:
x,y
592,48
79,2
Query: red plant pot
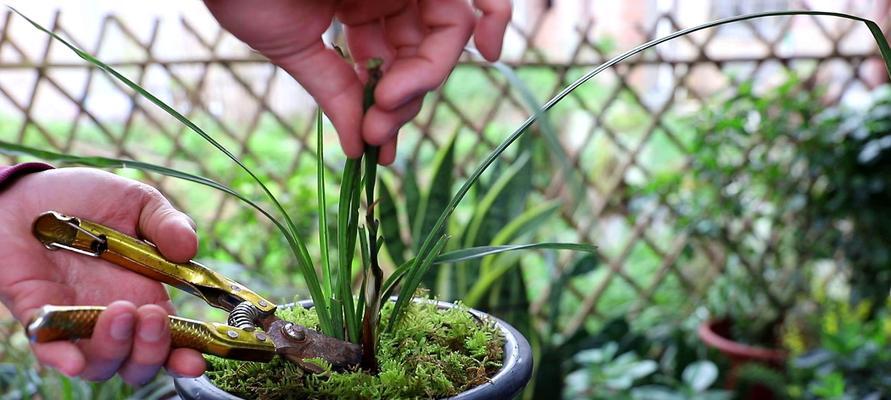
x,y
716,334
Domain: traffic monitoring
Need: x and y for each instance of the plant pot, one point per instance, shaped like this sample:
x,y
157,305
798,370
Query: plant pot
x,y
506,384
716,334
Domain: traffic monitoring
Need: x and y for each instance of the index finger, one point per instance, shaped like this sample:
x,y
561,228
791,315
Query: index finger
x,y
448,24
335,86
489,32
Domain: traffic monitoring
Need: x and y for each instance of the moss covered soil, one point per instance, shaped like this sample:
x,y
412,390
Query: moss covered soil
x,y
433,353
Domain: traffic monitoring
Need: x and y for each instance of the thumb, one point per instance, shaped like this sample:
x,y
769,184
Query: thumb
x,y
172,231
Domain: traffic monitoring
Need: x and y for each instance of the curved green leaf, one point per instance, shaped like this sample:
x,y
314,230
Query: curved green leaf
x,y
547,127
13,149
482,251
413,277
525,223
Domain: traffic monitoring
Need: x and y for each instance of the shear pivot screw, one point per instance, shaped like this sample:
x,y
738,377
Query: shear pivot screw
x,y
294,332
232,334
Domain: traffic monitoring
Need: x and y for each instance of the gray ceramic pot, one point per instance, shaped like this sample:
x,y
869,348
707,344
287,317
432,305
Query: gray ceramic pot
x,y
506,384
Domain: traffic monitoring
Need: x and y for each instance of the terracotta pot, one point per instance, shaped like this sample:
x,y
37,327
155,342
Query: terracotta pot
x,y
506,384
716,334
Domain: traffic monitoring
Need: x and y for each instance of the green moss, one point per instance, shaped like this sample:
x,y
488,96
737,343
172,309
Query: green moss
x,y
435,353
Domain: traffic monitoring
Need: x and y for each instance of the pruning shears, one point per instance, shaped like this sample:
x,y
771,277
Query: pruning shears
x,y
253,332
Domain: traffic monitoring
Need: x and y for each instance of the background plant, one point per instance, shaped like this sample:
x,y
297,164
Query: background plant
x,y
851,361
628,365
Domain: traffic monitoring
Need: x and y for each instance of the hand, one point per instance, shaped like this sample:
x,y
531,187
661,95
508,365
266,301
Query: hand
x,y
418,40
131,337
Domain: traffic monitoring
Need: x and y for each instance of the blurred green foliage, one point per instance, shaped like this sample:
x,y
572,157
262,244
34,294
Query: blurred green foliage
x,y
21,378
619,363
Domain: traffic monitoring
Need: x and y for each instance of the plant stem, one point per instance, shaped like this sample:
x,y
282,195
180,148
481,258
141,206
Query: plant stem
x,y
373,281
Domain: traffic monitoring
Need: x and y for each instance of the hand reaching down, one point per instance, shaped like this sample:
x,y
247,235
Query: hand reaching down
x,y
419,42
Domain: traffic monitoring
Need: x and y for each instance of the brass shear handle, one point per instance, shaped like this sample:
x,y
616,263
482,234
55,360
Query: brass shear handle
x,y
246,308
75,322
57,231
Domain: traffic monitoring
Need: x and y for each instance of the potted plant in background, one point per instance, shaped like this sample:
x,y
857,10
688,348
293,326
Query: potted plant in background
x,y
838,336
619,363
831,180
749,141
337,312
744,326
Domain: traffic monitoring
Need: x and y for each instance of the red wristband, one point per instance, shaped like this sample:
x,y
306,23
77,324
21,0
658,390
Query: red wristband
x,y
9,174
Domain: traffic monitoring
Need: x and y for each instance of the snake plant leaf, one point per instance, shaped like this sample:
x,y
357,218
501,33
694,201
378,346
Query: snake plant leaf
x,y
582,266
412,195
494,200
492,269
434,202
390,228
544,122
501,203
529,221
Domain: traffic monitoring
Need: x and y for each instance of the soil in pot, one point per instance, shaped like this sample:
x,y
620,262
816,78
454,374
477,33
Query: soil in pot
x,y
434,353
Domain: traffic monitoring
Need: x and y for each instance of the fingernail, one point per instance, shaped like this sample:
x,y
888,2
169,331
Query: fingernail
x,y
151,328
66,371
192,223
189,223
122,327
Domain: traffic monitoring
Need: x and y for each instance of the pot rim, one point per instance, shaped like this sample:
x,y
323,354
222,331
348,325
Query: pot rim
x,y
707,334
515,372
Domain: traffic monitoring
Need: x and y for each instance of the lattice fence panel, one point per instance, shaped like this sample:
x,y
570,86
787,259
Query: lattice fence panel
x,y
620,132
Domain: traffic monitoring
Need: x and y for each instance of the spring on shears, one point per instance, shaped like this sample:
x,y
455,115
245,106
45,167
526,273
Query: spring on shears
x,y
243,316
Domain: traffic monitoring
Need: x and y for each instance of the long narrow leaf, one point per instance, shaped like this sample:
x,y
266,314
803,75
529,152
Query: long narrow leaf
x,y
485,205
492,269
412,197
363,253
482,251
493,211
435,201
322,206
347,225
529,221
396,277
413,277
547,127
390,229
13,149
